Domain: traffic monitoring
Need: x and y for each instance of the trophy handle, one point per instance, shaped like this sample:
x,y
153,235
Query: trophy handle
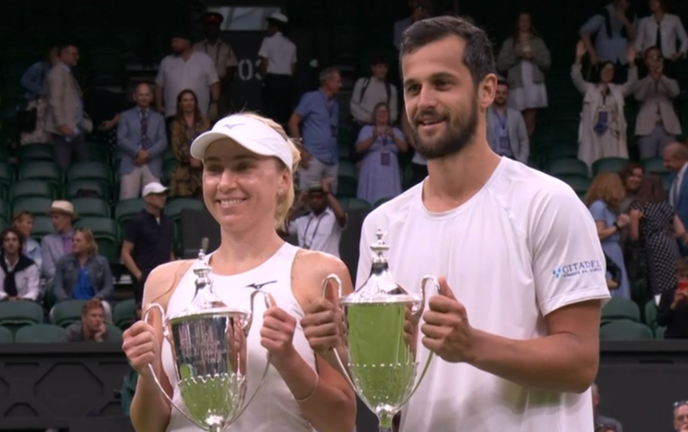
x,y
323,291
165,334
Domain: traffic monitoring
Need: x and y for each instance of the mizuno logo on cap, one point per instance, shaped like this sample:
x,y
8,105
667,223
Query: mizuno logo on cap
x,y
230,126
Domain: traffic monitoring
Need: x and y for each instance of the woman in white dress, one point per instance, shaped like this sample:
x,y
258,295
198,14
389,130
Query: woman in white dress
x,y
524,58
248,162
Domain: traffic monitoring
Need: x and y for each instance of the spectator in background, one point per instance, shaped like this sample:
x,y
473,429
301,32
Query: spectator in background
x,y
507,133
657,124
605,195
188,123
33,81
672,312
676,160
371,91
602,131
662,30
681,416
142,141
83,274
54,246
277,66
148,239
656,226
318,112
631,177
321,229
23,222
104,107
615,28
380,143
222,56
420,9
92,326
66,120
19,275
186,69
525,57
601,420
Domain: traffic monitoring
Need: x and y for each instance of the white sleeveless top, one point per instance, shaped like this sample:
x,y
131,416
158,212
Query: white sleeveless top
x,y
274,407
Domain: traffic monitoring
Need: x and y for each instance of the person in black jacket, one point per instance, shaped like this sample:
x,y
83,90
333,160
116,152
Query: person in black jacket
x,y
673,306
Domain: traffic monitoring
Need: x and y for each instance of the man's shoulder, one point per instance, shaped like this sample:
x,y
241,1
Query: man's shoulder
x,y
395,209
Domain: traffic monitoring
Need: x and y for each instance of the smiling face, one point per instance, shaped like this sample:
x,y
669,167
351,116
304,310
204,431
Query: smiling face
x,y
440,97
241,188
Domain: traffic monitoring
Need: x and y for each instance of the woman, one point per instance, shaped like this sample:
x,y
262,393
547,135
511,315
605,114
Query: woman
x,y
631,176
188,123
379,144
83,274
603,200
248,163
655,225
671,30
525,57
23,222
602,130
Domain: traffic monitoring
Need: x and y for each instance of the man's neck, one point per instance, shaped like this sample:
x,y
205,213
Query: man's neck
x,y
211,40
659,15
501,109
319,211
454,179
186,54
377,78
153,210
143,108
326,92
242,251
65,231
12,259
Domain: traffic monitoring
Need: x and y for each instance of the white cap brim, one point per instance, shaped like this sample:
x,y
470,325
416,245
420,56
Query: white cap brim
x,y
254,135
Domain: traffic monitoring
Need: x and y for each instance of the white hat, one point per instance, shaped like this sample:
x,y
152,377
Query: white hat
x,y
64,207
153,188
254,135
278,17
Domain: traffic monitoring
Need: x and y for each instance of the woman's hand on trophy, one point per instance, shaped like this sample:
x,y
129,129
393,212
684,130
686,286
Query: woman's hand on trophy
x,y
139,345
446,330
277,334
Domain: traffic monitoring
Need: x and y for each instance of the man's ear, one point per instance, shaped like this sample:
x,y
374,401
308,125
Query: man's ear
x,y
487,89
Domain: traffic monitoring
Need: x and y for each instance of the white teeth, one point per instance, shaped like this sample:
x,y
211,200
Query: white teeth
x,y
230,202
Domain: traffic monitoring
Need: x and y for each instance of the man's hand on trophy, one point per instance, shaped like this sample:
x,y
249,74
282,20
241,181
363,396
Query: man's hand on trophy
x,y
323,326
446,330
277,334
138,344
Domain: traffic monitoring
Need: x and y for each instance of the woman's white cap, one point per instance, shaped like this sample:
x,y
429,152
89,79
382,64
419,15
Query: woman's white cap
x,y
254,135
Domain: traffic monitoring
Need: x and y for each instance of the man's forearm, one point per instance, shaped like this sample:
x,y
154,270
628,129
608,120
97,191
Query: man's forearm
x,y
557,362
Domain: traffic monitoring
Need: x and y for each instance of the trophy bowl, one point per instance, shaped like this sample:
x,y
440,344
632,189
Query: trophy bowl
x,y
208,342
381,339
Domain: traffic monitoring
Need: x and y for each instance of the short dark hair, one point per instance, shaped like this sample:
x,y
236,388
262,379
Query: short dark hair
x,y
477,57
503,82
64,46
378,59
12,230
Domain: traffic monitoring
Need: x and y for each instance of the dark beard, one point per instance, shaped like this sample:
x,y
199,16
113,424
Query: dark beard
x,y
453,141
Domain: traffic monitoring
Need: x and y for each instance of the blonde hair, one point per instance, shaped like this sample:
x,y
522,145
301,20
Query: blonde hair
x,y
91,245
607,187
284,202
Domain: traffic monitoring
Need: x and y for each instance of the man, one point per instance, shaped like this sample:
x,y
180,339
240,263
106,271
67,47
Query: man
x,y
186,69
599,418
681,416
142,141
517,254
148,238
92,326
656,124
420,10
372,90
614,30
277,65
321,229
66,120
319,112
58,244
19,278
222,56
676,161
506,130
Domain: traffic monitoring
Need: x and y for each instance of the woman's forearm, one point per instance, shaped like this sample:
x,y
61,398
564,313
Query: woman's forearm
x,y
149,412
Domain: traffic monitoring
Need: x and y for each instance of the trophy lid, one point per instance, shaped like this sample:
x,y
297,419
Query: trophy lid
x,y
380,286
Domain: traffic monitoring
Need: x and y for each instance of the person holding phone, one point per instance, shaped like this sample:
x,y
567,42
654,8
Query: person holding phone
x,y
673,306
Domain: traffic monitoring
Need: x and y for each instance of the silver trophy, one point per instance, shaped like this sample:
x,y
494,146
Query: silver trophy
x,y
381,336
208,341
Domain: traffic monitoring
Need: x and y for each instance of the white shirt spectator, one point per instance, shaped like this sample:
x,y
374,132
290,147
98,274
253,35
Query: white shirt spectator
x,y
197,74
523,247
27,281
320,233
220,53
280,52
671,29
369,92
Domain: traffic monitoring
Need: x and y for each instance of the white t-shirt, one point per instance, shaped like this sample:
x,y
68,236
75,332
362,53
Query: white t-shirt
x,y
280,52
196,74
320,233
522,247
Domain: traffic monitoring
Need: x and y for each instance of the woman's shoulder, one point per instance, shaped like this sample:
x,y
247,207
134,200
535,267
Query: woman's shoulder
x,y
163,279
312,267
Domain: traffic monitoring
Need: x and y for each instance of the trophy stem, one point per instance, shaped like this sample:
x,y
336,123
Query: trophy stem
x,y
385,422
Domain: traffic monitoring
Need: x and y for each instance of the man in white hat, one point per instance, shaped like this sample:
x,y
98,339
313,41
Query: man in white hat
x,y
148,238
277,63
54,246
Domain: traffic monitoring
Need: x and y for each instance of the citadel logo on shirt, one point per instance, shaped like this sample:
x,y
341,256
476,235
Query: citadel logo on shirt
x,y
576,269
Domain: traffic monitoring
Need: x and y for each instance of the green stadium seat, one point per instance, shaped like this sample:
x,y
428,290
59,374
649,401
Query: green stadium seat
x,y
40,333
579,184
76,188
35,205
46,171
625,330
347,169
36,152
42,226
174,207
90,171
90,207
620,309
354,203
347,187
651,314
6,174
32,188
559,167
167,169
20,313
125,210
612,164
5,210
66,312
3,223
654,166
114,331
659,332
124,313
168,155
553,152
98,152
6,335
666,181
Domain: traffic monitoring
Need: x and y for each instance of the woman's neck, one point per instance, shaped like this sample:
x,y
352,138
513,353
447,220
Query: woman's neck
x,y
242,251
189,118
658,15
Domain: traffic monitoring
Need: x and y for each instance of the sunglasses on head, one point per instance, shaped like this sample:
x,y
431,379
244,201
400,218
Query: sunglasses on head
x,y
680,403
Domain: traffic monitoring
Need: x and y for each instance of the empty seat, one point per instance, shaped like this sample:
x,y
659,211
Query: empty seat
x,y
20,313
354,203
86,188
114,332
36,206
126,209
6,335
32,188
66,312
620,309
347,186
40,333
5,210
174,208
36,152
98,152
612,164
42,226
579,184
559,167
346,169
654,166
651,314
124,313
625,330
89,207
89,171
6,174
46,171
